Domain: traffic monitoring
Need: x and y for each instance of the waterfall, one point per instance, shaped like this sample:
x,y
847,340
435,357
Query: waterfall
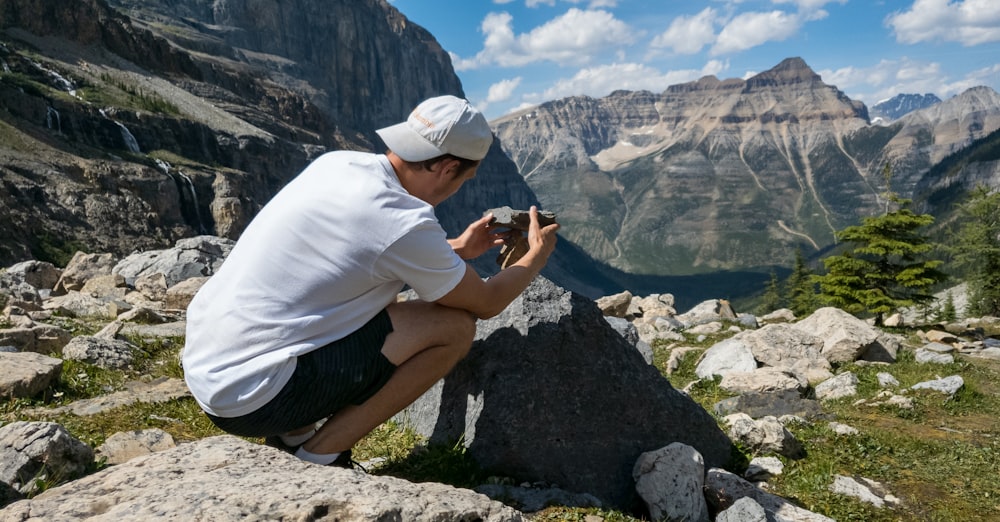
x,y
52,112
194,201
133,146
184,185
61,82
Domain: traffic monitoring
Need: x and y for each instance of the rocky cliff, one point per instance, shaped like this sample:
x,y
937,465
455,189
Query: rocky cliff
x,y
717,175
127,125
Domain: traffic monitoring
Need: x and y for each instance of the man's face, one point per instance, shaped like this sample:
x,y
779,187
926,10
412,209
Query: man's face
x,y
451,183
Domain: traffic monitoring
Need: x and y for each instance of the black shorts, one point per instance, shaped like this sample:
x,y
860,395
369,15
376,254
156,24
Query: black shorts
x,y
342,373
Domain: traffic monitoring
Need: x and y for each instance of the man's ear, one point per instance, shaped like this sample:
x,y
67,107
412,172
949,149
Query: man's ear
x,y
448,167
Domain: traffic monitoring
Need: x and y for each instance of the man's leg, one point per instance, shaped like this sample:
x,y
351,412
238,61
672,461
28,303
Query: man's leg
x,y
426,342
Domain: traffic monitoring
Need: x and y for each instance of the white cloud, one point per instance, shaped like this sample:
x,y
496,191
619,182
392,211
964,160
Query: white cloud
x,y
570,38
501,2
604,79
688,34
810,7
502,90
969,22
594,4
751,29
891,77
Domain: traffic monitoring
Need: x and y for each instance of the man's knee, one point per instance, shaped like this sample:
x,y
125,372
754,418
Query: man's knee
x,y
463,324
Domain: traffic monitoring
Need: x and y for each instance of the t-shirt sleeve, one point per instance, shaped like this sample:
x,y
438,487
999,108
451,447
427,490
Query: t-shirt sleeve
x,y
425,261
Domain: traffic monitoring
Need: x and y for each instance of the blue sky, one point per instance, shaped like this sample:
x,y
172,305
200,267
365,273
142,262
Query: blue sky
x,y
514,53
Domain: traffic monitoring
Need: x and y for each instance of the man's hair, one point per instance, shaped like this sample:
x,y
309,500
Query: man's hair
x,y
464,165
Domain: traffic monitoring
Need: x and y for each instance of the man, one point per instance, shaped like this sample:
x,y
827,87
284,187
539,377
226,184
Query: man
x,y
301,322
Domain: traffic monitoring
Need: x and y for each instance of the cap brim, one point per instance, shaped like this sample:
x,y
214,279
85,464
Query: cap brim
x,y
407,144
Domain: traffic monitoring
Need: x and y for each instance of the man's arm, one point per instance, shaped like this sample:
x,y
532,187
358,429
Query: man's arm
x,y
488,298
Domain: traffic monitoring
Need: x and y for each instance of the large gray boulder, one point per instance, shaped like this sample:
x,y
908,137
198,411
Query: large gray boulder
x,y
199,256
40,451
551,392
227,479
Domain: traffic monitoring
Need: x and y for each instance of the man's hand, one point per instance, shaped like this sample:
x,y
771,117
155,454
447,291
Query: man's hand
x,y
477,239
542,241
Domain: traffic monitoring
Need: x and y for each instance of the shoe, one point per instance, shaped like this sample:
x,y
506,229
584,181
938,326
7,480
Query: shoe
x,y
275,442
344,460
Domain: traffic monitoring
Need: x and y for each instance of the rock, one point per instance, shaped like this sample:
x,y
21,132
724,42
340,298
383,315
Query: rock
x,y
615,305
39,274
153,286
787,347
745,509
198,256
765,435
26,374
886,380
937,347
842,429
227,479
708,311
883,349
763,468
927,356
677,356
105,353
31,451
653,305
125,446
629,332
725,357
713,327
845,337
159,390
81,268
723,489
893,321
179,296
781,315
8,494
948,385
763,380
937,336
548,381
863,489
843,385
78,304
776,404
670,482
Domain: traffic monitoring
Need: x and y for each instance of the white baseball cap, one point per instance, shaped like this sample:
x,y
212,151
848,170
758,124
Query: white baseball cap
x,y
441,125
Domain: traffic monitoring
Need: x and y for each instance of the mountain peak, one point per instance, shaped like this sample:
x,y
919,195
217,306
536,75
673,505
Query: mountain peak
x,y
789,71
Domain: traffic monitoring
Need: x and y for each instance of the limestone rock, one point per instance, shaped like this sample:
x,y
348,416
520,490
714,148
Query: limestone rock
x,y
81,268
125,446
106,353
227,479
843,385
948,385
723,489
198,256
550,392
744,509
631,334
845,337
39,274
615,305
179,296
865,490
927,356
765,435
40,450
159,390
763,468
725,357
765,379
26,374
670,482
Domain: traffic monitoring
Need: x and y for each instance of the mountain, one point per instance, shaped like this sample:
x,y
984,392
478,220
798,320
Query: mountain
x,y
900,105
726,175
129,124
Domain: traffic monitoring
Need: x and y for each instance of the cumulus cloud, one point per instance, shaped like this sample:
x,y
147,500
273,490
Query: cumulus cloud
x,y
968,22
891,77
570,38
751,29
688,34
602,80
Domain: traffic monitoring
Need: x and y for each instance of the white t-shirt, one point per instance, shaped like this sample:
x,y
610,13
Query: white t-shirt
x,y
330,251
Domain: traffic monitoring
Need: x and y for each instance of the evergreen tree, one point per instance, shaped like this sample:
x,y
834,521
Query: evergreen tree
x,y
948,313
977,251
886,267
772,299
802,296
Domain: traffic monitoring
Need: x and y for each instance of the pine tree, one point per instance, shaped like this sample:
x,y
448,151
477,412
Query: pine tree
x,y
977,251
886,267
772,299
802,296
